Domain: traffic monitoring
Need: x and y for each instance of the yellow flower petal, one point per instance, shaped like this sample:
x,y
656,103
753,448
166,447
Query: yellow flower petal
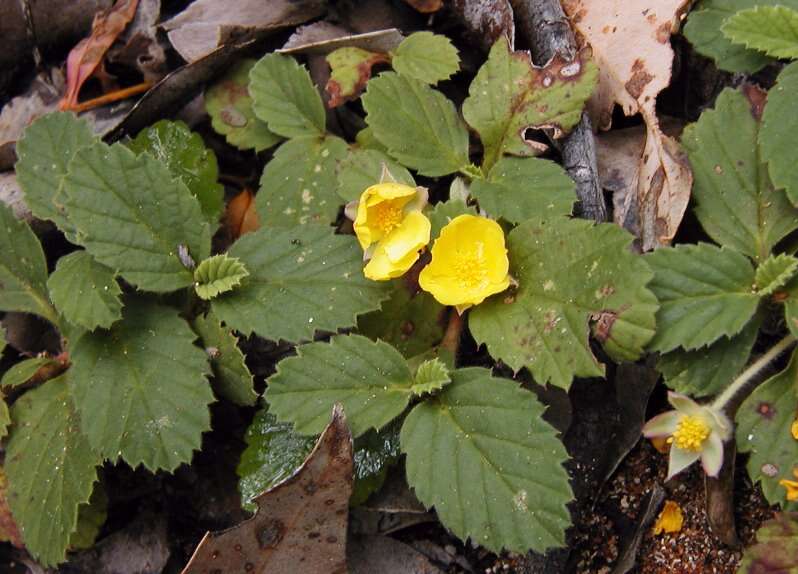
x,y
397,252
791,486
381,209
794,429
670,519
469,263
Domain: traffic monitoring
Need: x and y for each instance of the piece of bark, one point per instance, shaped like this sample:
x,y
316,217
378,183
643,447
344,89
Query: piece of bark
x,y
486,20
548,32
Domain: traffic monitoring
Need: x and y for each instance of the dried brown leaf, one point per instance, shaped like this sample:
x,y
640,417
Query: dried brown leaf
x,y
323,38
633,78
301,523
86,57
9,532
241,214
426,6
206,24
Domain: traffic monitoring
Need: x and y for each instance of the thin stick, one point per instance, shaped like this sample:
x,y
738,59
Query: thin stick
x,y
111,97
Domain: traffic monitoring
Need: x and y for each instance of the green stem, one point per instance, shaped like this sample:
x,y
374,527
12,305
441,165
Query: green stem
x,y
752,371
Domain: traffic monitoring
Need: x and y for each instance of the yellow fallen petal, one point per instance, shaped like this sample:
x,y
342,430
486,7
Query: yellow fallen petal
x,y
661,443
670,519
794,429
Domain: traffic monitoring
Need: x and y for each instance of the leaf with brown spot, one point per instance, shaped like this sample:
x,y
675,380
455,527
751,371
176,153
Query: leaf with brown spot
x,y
776,547
351,69
9,531
633,78
301,523
87,55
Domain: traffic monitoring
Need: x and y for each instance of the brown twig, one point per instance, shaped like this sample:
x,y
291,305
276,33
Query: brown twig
x,y
548,32
454,330
111,97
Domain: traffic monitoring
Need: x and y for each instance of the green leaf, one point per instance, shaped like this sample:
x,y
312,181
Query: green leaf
x,y
22,372
769,29
510,95
431,376
427,57
298,184
703,30
218,274
366,139
285,98
774,272
229,104
47,439
233,379
91,517
45,149
274,451
370,379
362,168
442,213
184,153
705,292
85,292
777,134
708,371
350,69
375,452
776,547
569,272
23,269
736,203
141,388
132,216
301,280
5,417
481,453
518,189
412,323
763,429
418,125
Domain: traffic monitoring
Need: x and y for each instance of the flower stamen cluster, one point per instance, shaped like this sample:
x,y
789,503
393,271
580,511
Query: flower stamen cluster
x,y
690,433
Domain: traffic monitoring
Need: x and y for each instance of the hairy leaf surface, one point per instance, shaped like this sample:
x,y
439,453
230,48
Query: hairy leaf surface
x,y
370,379
133,216
141,388
301,280
570,273
482,455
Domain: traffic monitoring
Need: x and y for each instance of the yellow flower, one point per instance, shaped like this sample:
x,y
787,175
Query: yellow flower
x,y
390,228
469,263
791,486
794,429
670,519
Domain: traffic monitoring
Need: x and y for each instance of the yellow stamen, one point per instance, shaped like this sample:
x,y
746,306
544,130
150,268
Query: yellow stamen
x,y
387,216
470,267
690,434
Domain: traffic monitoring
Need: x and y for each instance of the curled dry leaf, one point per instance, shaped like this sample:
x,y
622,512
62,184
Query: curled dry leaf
x,y
86,57
301,523
633,78
206,24
323,38
241,214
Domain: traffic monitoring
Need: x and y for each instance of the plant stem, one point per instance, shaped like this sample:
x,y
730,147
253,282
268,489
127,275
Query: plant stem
x,y
110,97
454,330
752,371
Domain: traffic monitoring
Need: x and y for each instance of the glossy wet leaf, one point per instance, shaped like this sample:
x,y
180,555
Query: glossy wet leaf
x,y
47,435
229,104
301,280
184,153
482,455
231,374
763,430
298,184
375,453
133,216
141,388
370,379
571,274
85,291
